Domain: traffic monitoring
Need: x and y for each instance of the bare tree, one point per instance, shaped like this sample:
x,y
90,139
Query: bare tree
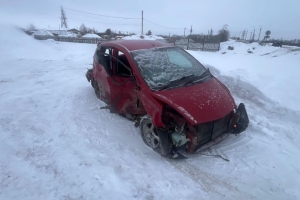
x,y
89,30
149,32
83,29
224,34
108,31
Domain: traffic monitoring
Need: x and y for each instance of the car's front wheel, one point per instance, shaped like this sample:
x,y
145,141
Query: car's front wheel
x,y
149,135
156,138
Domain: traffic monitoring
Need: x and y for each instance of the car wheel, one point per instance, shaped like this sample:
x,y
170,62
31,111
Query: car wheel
x,y
150,137
96,88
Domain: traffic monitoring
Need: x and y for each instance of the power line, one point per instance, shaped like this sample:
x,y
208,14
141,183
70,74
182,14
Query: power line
x,y
102,15
103,22
161,25
121,18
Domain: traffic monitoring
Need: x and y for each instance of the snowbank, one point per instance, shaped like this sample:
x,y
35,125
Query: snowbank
x,y
274,71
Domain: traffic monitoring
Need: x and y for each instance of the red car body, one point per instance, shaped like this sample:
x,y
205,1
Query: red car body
x,y
191,115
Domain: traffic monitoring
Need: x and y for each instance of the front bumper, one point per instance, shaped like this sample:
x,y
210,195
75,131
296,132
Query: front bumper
x,y
207,134
212,142
240,120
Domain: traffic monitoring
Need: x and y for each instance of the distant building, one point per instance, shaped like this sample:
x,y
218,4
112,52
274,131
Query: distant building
x,y
73,30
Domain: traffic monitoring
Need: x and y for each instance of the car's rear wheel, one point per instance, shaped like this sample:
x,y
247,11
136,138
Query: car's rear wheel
x,y
96,88
150,137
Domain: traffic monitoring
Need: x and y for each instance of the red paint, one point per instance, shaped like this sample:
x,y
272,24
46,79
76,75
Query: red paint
x,y
199,103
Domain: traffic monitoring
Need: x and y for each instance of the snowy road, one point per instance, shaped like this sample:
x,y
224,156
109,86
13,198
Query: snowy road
x,y
56,142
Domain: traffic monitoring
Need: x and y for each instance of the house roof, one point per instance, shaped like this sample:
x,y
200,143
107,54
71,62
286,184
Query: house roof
x,y
91,35
73,29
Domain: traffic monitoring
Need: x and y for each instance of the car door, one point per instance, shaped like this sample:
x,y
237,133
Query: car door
x,y
123,88
102,71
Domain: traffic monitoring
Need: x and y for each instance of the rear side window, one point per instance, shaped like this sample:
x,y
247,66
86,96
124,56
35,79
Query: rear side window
x,y
104,58
122,66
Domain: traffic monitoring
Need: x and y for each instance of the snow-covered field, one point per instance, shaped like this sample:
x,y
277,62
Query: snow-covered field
x,y
56,142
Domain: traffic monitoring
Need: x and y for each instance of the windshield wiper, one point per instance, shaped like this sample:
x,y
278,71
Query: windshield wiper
x,y
186,81
203,77
178,82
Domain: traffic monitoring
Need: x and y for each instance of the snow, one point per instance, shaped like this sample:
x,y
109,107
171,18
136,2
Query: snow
x,y
91,35
143,37
56,142
273,70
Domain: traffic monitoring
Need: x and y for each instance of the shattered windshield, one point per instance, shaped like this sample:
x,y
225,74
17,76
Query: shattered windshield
x,y
169,67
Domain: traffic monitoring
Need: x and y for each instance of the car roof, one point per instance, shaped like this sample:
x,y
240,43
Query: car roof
x,y
132,45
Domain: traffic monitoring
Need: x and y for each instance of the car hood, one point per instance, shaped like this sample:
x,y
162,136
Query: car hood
x,y
199,103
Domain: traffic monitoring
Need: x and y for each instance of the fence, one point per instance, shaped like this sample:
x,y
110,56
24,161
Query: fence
x,y
289,43
200,46
200,43
203,43
69,39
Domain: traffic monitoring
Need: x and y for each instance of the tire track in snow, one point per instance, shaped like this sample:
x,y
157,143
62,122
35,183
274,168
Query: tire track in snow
x,y
209,182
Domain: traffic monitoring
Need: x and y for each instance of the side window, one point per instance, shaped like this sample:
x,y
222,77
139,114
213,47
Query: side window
x,y
104,55
122,66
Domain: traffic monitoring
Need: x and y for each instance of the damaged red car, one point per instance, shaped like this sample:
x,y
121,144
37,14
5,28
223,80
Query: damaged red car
x,y
176,101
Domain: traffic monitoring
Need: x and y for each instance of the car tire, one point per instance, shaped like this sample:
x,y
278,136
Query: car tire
x,y
150,137
96,88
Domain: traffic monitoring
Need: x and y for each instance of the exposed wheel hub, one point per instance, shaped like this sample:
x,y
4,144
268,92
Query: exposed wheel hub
x,y
149,135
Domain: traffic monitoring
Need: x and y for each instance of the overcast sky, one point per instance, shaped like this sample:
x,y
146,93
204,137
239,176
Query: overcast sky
x,y
279,16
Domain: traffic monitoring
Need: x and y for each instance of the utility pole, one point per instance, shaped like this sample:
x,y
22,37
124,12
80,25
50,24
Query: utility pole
x,y
142,22
259,33
184,32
